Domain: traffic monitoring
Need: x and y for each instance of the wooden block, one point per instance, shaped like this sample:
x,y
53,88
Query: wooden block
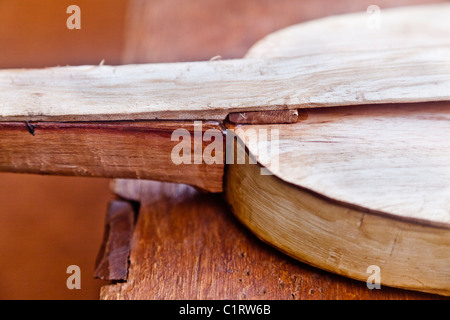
x,y
112,260
140,150
264,117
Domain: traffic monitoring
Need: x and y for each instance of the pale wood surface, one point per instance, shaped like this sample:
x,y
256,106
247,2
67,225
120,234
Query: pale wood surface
x,y
390,160
398,28
211,90
301,78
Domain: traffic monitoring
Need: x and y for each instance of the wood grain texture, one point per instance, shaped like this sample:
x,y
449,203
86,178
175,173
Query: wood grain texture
x,y
211,90
187,245
140,150
394,161
112,260
335,237
404,150
391,163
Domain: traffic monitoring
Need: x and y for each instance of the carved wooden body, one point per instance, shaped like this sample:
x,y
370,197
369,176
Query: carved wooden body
x,y
364,183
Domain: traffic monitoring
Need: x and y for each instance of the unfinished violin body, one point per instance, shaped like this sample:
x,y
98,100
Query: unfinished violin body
x,y
343,133
355,190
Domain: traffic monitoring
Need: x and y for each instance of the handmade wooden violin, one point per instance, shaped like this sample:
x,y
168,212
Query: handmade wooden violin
x,y
330,139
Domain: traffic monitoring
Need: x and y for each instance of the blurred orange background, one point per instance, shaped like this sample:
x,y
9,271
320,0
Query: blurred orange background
x,y
49,223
